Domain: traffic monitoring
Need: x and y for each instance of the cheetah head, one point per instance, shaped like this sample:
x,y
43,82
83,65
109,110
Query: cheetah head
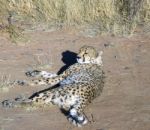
x,y
88,54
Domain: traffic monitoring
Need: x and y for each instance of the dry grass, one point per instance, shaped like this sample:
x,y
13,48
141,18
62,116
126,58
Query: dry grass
x,y
5,83
106,16
144,15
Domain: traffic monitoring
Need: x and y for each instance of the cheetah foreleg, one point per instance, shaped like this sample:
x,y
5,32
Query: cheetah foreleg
x,y
43,78
47,81
42,74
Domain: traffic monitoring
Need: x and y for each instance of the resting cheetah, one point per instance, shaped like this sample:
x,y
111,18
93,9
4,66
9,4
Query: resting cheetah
x,y
76,87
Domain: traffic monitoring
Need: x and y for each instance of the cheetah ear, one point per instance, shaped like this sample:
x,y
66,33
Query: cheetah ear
x,y
99,58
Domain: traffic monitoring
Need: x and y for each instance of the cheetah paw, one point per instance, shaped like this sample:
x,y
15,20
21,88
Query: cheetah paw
x,y
11,103
8,103
77,119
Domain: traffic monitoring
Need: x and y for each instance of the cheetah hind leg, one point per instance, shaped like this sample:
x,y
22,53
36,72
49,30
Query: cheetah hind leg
x,y
17,102
77,118
37,74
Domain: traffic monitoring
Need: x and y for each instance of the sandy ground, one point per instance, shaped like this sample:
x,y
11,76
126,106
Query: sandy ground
x,y
124,103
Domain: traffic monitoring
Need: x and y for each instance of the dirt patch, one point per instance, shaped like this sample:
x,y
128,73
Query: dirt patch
x,y
124,103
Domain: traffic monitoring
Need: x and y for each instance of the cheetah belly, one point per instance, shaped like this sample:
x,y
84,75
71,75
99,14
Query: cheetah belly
x,y
66,101
81,77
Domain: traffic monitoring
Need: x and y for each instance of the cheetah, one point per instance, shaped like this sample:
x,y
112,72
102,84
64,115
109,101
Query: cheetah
x,y
76,87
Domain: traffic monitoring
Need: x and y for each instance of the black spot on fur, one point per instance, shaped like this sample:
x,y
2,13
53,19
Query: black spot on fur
x,y
36,100
61,100
53,97
47,79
